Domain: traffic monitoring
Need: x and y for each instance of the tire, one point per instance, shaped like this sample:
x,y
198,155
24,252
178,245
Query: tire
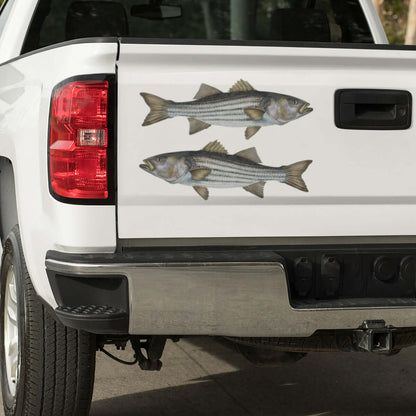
x,y
49,369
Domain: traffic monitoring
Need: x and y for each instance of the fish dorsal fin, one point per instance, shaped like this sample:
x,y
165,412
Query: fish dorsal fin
x,y
242,86
254,113
249,154
256,189
206,91
200,174
251,131
196,126
202,192
215,147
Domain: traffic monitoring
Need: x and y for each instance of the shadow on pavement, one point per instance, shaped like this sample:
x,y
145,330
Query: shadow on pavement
x,y
320,384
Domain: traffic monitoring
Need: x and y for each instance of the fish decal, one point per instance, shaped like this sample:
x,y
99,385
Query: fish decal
x,y
213,167
242,106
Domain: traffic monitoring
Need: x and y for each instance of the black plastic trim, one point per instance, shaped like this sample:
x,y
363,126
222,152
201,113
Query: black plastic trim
x,y
101,324
112,145
355,303
173,254
74,292
373,109
169,255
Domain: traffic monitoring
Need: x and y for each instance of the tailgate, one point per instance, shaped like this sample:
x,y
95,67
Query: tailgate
x,y
361,181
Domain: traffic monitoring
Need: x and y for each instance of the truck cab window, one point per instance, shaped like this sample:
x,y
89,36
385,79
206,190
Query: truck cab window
x,y
262,20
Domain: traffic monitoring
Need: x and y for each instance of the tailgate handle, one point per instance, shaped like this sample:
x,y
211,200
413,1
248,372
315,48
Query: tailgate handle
x,y
373,109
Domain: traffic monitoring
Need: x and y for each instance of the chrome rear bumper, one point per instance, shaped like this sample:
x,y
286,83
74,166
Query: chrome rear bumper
x,y
233,298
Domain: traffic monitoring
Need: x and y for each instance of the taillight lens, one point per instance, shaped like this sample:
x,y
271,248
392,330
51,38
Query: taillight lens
x,y
79,140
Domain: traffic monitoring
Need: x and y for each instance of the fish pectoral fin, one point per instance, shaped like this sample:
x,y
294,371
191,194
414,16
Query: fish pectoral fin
x,y
249,154
251,131
200,174
254,113
196,126
202,192
242,86
206,90
215,147
256,189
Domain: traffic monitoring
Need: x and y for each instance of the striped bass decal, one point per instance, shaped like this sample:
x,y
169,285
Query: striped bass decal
x,y
242,106
213,167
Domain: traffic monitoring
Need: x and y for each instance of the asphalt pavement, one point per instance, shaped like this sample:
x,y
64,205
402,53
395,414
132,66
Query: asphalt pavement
x,y
202,377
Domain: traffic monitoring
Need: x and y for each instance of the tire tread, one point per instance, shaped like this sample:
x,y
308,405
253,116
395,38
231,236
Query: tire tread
x,y
59,362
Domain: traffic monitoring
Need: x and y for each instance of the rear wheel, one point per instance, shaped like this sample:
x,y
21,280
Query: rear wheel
x,y
47,369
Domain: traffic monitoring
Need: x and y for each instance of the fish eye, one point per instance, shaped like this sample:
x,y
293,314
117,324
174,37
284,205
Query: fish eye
x,y
295,102
158,160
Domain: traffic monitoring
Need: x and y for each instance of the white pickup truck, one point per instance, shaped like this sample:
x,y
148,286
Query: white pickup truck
x,y
122,221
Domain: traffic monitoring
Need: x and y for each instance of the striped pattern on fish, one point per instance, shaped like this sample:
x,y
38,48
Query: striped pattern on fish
x,y
229,171
225,111
242,106
213,167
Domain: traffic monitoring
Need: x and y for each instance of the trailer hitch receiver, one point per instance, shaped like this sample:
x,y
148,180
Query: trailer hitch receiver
x,y
374,336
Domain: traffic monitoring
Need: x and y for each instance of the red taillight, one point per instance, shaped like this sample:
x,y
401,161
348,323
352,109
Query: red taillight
x,y
79,140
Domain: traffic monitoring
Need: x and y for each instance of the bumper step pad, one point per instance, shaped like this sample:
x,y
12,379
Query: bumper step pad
x,y
101,319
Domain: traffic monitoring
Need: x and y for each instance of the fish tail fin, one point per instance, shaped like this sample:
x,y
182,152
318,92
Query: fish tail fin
x,y
294,175
158,109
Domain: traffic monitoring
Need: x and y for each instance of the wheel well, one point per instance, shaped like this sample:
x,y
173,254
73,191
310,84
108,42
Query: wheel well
x,y
8,207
